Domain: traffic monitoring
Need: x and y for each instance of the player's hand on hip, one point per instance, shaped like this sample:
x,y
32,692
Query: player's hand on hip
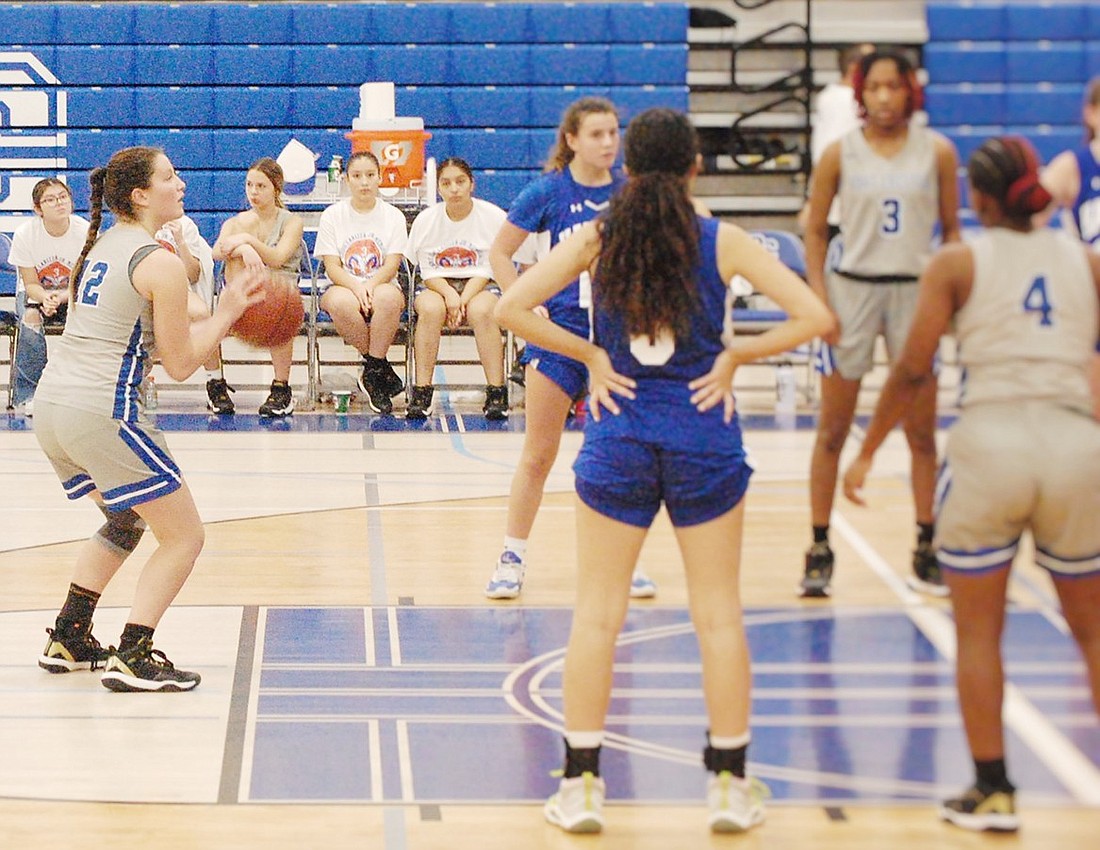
x,y
716,386
604,383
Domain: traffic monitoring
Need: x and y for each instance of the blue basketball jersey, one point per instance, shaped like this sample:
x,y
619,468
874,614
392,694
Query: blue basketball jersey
x,y
553,206
669,359
1086,209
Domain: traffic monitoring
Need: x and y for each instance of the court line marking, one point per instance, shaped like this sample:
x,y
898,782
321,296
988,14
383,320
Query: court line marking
x,y
248,751
1064,760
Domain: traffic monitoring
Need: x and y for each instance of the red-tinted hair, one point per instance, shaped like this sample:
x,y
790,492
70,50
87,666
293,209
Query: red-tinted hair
x,y
905,69
1006,168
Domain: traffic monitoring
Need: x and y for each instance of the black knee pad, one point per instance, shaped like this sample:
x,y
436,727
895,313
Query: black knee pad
x,y
122,531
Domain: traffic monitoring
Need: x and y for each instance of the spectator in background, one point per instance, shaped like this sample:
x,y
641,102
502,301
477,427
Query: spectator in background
x,y
836,112
450,243
181,236
44,250
1073,180
267,234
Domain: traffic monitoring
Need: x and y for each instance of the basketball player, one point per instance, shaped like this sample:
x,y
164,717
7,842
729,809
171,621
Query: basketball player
x,y
131,300
662,429
1024,454
1073,179
361,240
577,186
895,182
267,235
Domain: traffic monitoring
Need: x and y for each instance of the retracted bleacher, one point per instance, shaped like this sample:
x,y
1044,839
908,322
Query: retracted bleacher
x,y
219,85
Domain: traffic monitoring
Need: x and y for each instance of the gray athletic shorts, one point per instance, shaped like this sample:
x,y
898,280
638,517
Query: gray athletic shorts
x,y
866,311
1015,466
127,462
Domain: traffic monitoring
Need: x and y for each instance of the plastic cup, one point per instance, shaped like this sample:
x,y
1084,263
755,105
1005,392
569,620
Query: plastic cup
x,y
341,399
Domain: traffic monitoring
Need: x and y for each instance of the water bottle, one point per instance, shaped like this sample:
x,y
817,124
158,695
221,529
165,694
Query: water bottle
x,y
151,394
335,166
786,390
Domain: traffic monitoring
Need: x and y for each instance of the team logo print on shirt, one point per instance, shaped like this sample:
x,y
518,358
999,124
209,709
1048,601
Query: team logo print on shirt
x,y
456,257
54,275
363,256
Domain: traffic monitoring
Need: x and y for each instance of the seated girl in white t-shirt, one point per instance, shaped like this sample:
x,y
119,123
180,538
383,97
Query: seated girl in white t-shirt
x,y
361,240
450,242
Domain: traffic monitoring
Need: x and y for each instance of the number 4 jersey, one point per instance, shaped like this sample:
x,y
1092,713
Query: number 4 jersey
x,y
1030,325
98,363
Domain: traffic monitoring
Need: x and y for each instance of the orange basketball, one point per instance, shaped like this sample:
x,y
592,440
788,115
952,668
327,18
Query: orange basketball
x,y
276,319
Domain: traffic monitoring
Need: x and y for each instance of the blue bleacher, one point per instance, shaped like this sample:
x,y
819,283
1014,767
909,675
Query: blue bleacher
x,y
220,84
1011,67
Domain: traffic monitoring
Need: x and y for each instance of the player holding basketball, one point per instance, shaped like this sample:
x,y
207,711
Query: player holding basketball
x,y
130,302
266,236
1024,454
895,181
662,430
577,186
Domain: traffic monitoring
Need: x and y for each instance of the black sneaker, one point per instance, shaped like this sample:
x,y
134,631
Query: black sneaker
x,y
69,651
518,375
280,401
420,402
217,396
391,381
982,811
818,571
372,383
143,668
927,576
496,403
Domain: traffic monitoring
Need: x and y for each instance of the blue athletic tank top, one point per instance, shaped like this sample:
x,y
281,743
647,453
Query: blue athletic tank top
x,y
553,206
677,360
1086,209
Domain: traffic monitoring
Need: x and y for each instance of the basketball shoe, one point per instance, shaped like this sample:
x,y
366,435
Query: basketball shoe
x,y
982,811
496,403
421,402
280,401
578,804
736,804
507,579
373,384
642,586
818,571
927,576
142,668
75,649
217,396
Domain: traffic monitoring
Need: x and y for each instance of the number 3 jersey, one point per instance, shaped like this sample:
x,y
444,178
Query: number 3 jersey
x,y
98,362
889,206
1030,325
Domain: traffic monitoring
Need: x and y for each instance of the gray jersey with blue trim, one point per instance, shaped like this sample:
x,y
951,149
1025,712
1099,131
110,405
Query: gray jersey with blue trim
x,y
889,205
97,364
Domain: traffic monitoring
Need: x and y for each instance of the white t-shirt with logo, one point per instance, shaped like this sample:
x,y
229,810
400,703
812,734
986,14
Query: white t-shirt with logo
x,y
51,257
362,241
200,250
455,249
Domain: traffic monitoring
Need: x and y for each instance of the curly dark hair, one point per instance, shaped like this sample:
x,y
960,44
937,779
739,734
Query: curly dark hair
x,y
650,232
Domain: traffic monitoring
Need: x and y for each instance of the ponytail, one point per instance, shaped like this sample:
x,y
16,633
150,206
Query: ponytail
x,y
97,179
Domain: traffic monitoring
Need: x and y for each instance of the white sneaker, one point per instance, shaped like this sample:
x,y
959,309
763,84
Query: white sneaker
x,y
578,805
507,580
642,586
736,805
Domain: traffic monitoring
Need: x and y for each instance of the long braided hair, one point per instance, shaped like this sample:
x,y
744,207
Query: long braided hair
x,y
128,169
650,232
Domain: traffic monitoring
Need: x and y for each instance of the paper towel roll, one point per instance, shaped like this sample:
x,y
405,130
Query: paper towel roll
x,y
376,101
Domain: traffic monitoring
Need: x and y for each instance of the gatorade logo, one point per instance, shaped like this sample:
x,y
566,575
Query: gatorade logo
x,y
392,153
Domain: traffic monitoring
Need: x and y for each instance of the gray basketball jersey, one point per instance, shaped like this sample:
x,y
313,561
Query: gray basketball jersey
x,y
97,364
889,207
294,263
1030,325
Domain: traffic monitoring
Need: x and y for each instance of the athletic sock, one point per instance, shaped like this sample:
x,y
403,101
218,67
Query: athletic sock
x,y
516,546
132,633
722,754
992,776
925,532
582,753
78,609
821,534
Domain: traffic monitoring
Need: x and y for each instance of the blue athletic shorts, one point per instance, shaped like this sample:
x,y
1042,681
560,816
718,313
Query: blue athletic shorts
x,y
692,462
571,375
